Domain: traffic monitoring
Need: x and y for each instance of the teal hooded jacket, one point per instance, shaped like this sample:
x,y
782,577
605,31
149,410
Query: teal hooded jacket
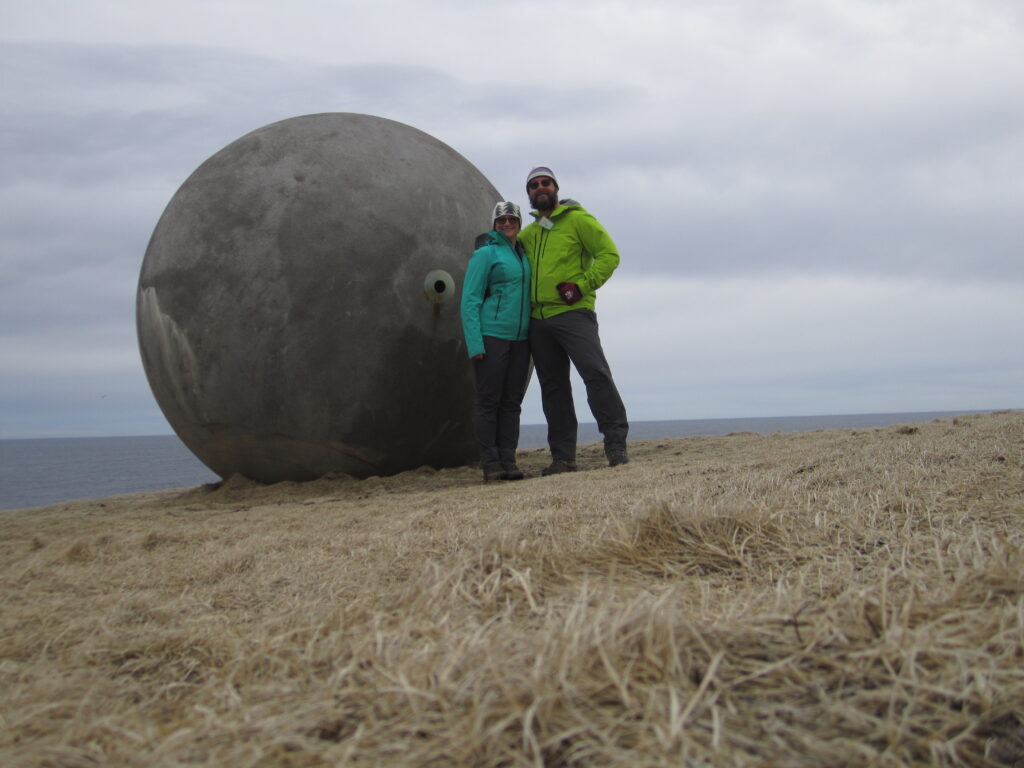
x,y
569,247
495,293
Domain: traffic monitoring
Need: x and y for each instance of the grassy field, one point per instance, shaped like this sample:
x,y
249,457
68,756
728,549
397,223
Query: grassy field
x,y
831,598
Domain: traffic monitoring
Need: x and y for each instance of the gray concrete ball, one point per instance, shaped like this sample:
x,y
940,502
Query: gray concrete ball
x,y
298,308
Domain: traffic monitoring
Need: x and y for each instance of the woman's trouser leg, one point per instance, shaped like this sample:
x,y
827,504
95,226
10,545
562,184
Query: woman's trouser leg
x,y
490,381
517,372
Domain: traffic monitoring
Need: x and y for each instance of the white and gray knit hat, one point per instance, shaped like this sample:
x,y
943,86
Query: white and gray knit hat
x,y
540,170
506,209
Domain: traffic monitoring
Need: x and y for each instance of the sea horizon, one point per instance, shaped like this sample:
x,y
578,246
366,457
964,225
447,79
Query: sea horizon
x,y
40,471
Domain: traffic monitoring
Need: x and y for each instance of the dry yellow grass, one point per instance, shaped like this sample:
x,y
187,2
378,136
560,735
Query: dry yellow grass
x,y
826,598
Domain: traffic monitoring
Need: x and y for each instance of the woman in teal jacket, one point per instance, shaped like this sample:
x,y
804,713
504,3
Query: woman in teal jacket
x,y
496,323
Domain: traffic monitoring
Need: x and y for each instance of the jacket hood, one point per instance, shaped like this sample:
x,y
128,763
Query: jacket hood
x,y
491,237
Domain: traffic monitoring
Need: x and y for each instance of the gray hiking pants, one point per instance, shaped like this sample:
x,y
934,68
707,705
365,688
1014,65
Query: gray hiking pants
x,y
554,341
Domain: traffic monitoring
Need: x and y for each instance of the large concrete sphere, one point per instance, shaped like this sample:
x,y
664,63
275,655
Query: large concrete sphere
x,y
298,306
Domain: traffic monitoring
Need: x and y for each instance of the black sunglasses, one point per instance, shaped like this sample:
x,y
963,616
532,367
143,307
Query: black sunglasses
x,y
541,183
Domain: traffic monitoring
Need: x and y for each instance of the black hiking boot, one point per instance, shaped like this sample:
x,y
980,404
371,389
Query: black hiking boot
x,y
512,472
617,456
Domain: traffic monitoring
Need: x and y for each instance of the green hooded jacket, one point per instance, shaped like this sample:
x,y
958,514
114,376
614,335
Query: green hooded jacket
x,y
568,247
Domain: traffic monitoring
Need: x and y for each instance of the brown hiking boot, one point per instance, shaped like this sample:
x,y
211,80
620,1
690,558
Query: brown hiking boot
x,y
558,466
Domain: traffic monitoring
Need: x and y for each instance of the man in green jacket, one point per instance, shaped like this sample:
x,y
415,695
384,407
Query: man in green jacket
x,y
571,256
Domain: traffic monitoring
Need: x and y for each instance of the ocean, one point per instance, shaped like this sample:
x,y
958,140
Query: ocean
x,y
48,471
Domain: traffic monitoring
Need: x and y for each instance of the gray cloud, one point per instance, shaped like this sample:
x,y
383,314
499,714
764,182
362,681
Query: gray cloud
x,y
860,143
710,347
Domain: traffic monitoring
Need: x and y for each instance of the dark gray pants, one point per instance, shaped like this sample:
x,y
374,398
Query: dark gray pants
x,y
555,341
501,379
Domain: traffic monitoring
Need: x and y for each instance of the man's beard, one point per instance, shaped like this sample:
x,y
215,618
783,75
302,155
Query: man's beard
x,y
545,199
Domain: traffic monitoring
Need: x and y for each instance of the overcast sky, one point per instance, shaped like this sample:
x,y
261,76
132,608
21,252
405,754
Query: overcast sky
x,y
819,203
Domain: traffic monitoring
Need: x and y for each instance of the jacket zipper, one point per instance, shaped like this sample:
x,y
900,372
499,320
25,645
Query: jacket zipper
x,y
536,277
522,273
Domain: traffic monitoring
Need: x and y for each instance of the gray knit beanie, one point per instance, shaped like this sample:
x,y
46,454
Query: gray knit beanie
x,y
540,170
